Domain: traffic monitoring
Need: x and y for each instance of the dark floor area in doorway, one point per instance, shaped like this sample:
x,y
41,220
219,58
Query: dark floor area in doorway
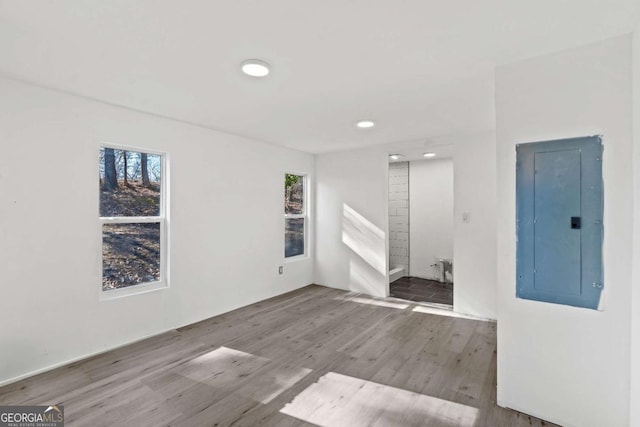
x,y
423,290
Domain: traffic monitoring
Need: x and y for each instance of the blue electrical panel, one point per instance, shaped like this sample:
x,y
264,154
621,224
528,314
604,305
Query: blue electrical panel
x,y
559,208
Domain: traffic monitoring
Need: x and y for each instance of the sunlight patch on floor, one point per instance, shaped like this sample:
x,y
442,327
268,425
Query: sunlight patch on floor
x,y
220,363
264,388
446,312
379,303
226,368
340,400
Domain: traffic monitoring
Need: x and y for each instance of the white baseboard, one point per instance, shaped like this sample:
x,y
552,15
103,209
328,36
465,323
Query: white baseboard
x,y
507,405
106,350
79,358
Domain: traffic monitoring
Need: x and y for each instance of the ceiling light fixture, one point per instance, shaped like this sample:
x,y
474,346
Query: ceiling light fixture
x,y
364,124
429,154
255,68
395,156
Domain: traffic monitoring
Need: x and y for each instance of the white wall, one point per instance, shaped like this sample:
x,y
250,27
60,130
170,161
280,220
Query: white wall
x,y
568,365
352,221
475,258
227,227
399,217
635,302
431,216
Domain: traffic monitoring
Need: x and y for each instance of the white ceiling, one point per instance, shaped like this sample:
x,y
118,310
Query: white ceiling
x,y
419,68
417,154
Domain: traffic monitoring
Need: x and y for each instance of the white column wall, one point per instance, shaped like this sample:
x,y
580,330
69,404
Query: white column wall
x,y
568,365
431,216
353,221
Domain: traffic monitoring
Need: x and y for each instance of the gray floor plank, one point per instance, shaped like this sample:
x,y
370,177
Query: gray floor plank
x,y
315,356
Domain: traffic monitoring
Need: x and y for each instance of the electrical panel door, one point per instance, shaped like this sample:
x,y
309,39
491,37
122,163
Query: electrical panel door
x,y
559,199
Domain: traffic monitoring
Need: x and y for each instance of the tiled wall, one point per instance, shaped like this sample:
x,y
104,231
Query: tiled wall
x,y
399,216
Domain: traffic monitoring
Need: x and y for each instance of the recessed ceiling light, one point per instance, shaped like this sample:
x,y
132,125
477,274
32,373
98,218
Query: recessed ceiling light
x,y
429,154
364,124
395,156
255,68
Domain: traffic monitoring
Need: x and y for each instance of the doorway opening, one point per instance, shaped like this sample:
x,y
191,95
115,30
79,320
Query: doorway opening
x,y
421,229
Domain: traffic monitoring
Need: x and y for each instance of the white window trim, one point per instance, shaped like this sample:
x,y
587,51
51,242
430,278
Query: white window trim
x,y
162,219
304,215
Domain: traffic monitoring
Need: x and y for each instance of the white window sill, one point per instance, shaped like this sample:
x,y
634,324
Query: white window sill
x,y
132,290
296,258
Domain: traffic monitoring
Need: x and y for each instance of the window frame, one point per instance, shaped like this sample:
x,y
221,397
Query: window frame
x,y
304,215
162,219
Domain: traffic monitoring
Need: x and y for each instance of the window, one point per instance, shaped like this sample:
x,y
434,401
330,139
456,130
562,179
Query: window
x,y
133,219
295,215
